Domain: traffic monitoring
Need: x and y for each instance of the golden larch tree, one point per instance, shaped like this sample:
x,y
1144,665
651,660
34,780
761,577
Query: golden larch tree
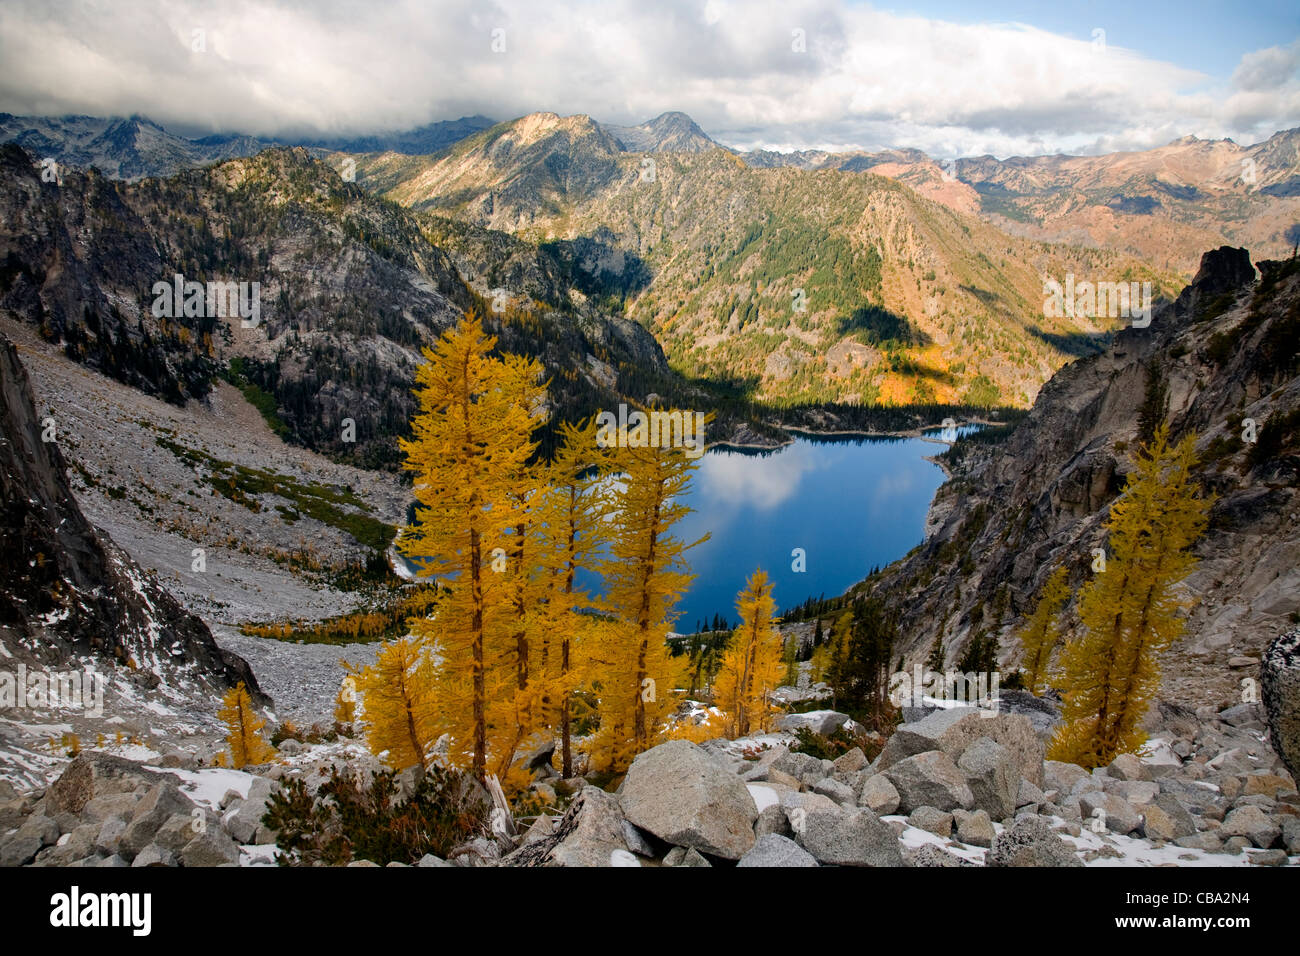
x,y
345,704
1131,611
751,665
1042,632
578,507
645,576
531,627
469,452
243,728
398,704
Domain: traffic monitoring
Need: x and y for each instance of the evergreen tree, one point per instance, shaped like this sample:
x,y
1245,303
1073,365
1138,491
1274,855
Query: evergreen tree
x,y
790,660
980,655
1042,631
1155,403
1130,612
935,662
864,675
751,664
836,656
243,728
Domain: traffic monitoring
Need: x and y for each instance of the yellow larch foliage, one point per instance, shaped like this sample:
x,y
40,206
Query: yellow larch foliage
x,y
645,575
577,508
710,726
1130,611
524,710
469,451
243,728
1042,632
397,704
751,666
345,702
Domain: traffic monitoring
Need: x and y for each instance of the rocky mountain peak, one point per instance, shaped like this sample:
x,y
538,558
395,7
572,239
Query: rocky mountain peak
x,y
1222,271
671,132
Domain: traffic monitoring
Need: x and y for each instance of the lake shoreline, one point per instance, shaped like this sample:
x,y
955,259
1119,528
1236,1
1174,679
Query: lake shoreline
x,y
795,430
793,433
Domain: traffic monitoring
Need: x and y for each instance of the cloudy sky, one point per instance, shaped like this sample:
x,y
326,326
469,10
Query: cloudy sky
x,y
950,77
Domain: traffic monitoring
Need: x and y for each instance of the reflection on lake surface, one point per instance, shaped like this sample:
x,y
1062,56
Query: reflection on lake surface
x,y
850,504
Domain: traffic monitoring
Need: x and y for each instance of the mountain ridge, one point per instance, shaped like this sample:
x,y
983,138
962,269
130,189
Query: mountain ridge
x,y
1018,507
901,303
1220,191
351,288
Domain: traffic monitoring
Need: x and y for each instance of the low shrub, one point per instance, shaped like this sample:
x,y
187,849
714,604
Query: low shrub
x,y
349,821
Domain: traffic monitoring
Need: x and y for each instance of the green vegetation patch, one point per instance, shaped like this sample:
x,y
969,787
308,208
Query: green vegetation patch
x,y
258,397
327,504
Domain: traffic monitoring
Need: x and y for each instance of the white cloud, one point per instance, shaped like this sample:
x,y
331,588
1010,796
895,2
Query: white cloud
x,y
868,78
731,482
1268,69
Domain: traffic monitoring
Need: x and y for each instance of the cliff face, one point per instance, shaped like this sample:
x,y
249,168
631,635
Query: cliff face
x,y
67,591
349,288
1223,352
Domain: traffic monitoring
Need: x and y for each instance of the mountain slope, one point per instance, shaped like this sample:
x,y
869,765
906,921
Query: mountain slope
x,y
904,300
66,591
509,177
1162,205
351,287
1014,510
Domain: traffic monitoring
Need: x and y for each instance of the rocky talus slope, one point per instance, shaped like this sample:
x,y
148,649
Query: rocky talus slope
x,y
64,589
1223,353
1281,696
72,601
956,788
155,479
158,479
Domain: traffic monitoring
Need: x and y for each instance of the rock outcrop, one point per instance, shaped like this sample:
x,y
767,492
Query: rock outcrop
x,y
1281,696
65,589
1222,362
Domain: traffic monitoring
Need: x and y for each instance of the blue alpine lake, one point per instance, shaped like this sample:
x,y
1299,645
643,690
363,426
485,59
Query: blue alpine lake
x,y
847,503
850,503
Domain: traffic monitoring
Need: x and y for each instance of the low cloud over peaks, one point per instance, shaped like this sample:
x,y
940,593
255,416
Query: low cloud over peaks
x,y
807,74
